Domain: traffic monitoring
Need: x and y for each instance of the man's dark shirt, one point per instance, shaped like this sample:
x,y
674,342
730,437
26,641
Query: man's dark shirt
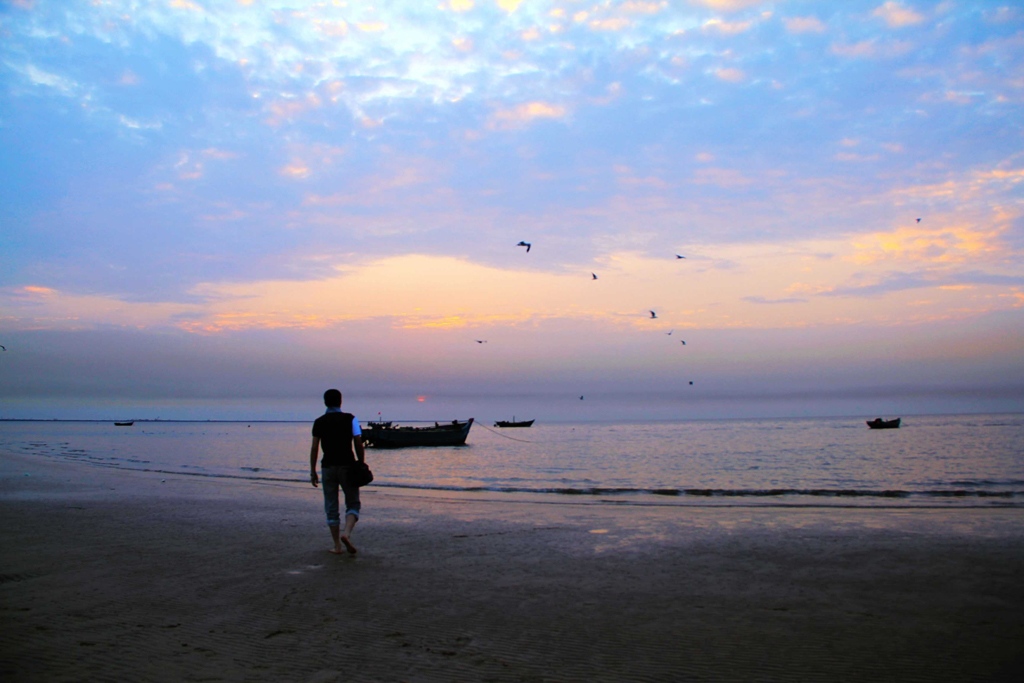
x,y
335,433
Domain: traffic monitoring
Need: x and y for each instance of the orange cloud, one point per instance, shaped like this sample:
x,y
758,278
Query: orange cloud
x,y
731,75
722,177
951,244
639,7
804,25
896,15
972,186
295,170
613,24
728,28
727,5
284,110
525,114
188,169
218,154
334,29
39,291
612,92
871,49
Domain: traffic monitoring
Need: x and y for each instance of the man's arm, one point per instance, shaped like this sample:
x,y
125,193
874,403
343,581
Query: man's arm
x,y
314,451
357,440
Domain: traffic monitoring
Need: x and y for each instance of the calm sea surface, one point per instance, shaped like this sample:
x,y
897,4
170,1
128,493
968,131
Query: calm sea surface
x,y
975,460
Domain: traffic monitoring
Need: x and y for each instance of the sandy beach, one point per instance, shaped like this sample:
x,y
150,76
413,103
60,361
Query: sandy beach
x,y
117,575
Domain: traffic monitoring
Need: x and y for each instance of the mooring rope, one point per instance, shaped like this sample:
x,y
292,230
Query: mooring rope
x,y
504,435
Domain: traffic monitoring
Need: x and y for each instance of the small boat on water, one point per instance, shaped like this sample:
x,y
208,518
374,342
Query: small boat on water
x,y
514,423
879,423
390,435
124,424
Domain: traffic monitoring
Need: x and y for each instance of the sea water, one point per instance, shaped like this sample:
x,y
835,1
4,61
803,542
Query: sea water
x,y
967,460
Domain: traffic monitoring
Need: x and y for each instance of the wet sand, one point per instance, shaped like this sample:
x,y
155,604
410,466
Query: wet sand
x,y
114,575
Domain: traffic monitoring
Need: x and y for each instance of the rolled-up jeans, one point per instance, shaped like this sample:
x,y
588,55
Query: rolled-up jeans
x,y
333,478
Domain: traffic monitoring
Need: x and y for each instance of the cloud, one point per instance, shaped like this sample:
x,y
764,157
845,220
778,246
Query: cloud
x,y
463,44
722,177
610,24
727,5
187,168
291,108
799,25
871,49
296,169
525,114
898,281
128,77
640,7
948,244
37,76
851,156
186,5
37,290
219,154
762,300
729,28
896,15
373,26
332,28
613,91
731,75
971,184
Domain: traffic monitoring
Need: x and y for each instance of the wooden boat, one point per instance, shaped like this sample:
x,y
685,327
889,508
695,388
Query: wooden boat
x,y
124,424
389,435
879,423
513,423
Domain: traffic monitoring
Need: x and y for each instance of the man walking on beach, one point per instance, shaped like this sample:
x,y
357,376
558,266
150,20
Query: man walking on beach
x,y
337,432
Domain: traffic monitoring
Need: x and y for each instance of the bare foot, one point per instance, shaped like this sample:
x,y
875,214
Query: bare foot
x,y
335,551
348,545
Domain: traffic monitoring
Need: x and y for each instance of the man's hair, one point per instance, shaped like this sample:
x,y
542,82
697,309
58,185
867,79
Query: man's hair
x,y
332,398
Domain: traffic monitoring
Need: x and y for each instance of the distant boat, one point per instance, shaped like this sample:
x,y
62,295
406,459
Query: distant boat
x,y
513,423
124,424
389,435
879,423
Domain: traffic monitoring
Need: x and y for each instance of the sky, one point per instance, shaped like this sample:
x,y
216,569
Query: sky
x,y
242,202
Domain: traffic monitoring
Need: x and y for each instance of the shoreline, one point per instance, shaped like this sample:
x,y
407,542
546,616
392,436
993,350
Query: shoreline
x,y
116,574
838,499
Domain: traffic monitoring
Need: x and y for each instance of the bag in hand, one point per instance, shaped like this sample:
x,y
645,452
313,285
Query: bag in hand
x,y
360,473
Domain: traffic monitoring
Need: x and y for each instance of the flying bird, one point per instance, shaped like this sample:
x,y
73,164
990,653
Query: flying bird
x,y
918,220
3,347
581,398
480,341
653,315
593,275
680,256
525,244
691,383
683,343
669,333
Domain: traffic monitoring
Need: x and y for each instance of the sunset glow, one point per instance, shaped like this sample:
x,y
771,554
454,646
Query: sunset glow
x,y
274,175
